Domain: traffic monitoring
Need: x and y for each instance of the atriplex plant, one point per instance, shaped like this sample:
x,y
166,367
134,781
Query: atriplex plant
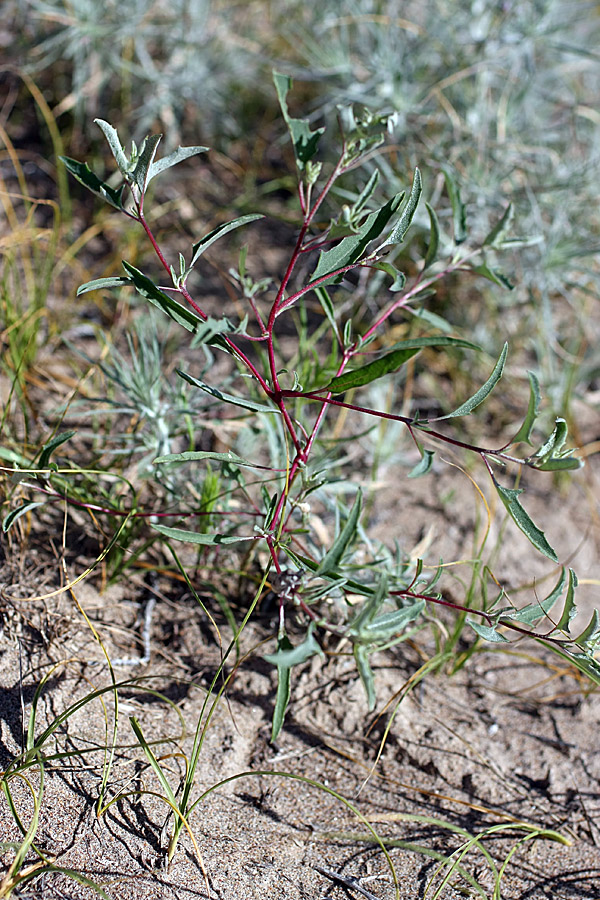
x,y
370,604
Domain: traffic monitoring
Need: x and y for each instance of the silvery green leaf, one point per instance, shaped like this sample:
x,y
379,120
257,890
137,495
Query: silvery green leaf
x,y
352,248
560,464
500,228
83,174
520,517
333,557
524,432
325,301
398,232
304,140
386,626
569,610
141,171
196,455
283,688
473,402
459,213
100,283
211,331
493,275
438,341
115,145
176,311
192,537
271,509
423,466
369,608
21,510
366,192
434,239
49,448
172,159
487,633
585,663
533,612
398,277
361,657
553,446
590,636
204,243
293,656
227,398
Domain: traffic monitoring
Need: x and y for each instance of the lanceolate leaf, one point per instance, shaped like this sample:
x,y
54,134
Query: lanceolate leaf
x,y
510,499
227,398
560,464
459,213
477,398
333,557
283,688
376,369
434,239
423,466
493,275
439,341
141,172
146,287
366,192
361,657
85,176
399,230
352,248
204,243
487,633
551,457
304,140
49,448
398,277
369,608
500,228
21,510
384,627
192,537
585,662
115,145
325,301
196,455
570,610
533,612
524,432
555,442
172,159
590,637
293,656
100,283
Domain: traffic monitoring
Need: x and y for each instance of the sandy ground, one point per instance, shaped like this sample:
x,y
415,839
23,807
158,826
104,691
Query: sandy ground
x,y
510,738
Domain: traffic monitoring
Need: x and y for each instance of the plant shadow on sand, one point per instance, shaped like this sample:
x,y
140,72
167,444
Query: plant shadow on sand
x,y
510,740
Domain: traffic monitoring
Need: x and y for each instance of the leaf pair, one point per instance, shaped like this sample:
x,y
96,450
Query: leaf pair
x,y
137,170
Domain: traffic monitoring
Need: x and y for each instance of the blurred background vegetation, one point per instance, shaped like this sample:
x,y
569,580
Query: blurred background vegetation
x,y
503,92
